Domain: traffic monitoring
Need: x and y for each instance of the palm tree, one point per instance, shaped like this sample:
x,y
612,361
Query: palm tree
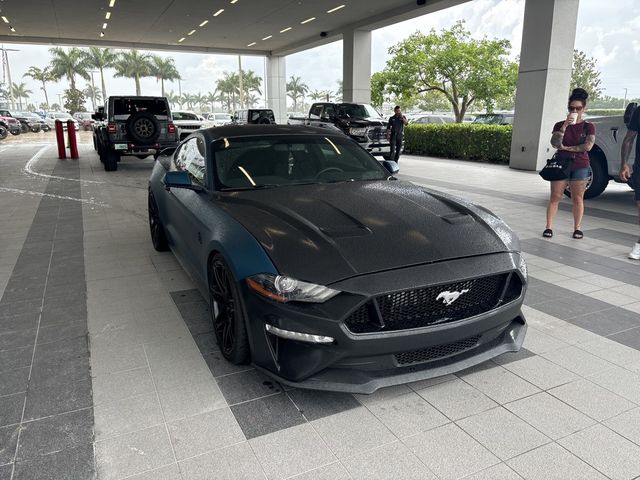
x,y
212,98
100,58
199,99
174,99
252,100
41,75
163,69
188,99
133,64
228,86
339,91
94,94
251,83
68,63
296,89
316,95
20,91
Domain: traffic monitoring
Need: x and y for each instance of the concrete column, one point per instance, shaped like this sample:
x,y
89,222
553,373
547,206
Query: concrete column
x,y
356,66
277,87
548,39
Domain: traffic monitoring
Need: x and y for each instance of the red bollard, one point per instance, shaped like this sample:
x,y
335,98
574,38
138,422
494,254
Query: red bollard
x,y
73,143
62,154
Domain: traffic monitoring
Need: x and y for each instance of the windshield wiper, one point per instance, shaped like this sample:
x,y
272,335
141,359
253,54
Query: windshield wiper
x,y
253,187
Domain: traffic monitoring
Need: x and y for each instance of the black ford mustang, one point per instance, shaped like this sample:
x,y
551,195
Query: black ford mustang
x,y
326,272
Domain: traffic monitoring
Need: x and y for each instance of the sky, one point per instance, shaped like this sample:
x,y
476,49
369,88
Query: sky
x,y
611,35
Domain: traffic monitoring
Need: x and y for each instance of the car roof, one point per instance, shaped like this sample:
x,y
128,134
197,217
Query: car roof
x,y
249,130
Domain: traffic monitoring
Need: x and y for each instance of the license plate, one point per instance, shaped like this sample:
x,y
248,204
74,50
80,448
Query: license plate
x,y
120,146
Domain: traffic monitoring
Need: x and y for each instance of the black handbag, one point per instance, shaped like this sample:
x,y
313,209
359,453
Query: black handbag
x,y
556,169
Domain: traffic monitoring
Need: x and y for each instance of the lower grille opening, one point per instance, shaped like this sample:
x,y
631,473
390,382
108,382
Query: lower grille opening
x,y
436,352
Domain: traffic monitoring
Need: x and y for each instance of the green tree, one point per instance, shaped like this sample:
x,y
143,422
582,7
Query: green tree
x,y
228,88
94,94
133,64
316,95
68,63
296,90
31,107
100,58
20,91
339,91
42,75
55,107
211,98
251,83
188,99
74,101
585,74
173,99
462,69
43,106
164,69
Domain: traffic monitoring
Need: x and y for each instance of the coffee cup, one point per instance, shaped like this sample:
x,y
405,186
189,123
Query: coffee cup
x,y
573,116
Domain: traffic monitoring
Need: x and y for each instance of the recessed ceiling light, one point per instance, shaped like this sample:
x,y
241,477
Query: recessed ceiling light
x,y
107,15
233,1
218,12
102,34
204,23
251,44
336,8
191,32
12,29
268,37
307,20
104,26
112,3
181,40
5,19
285,30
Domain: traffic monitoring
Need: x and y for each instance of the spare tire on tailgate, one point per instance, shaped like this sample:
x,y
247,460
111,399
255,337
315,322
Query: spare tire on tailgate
x,y
143,128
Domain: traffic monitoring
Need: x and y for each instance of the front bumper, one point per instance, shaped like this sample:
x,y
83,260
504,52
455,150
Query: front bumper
x,y
362,363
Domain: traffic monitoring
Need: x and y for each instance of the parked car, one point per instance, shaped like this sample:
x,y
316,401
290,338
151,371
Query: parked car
x,y
131,125
432,119
260,116
494,119
360,121
28,122
326,272
12,125
84,120
63,117
220,119
188,122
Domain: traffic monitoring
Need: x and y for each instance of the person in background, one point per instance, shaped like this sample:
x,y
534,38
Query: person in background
x,y
573,138
395,132
626,174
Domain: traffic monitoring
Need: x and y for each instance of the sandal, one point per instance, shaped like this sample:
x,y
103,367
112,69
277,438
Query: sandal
x,y
548,233
578,234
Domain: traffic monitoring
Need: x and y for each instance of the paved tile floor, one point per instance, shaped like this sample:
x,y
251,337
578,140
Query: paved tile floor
x,y
153,398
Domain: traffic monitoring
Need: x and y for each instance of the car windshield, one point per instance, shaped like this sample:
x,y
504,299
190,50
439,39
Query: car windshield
x,y
362,110
184,116
222,116
123,107
493,119
63,115
281,160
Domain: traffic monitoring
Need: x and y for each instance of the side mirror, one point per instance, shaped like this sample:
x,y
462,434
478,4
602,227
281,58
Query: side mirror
x,y
97,116
179,179
166,152
391,166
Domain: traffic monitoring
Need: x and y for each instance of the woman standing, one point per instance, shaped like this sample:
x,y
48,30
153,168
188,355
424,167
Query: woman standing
x,y
573,139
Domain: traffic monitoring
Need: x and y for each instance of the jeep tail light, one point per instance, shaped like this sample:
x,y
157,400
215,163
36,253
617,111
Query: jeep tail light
x,y
171,128
111,128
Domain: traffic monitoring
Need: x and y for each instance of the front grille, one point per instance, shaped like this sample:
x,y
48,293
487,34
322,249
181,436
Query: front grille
x,y
428,306
436,352
191,127
376,133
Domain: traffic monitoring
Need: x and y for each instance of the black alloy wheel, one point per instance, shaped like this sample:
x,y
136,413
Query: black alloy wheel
x,y
24,128
229,323
158,237
36,128
4,132
16,131
46,128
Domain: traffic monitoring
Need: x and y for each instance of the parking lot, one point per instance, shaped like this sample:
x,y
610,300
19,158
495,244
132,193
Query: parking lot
x,y
109,368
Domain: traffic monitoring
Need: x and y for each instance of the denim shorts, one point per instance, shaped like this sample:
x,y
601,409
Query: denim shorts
x,y
579,174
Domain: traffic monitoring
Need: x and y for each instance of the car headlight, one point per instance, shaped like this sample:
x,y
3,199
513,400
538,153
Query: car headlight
x,y
286,289
523,268
358,132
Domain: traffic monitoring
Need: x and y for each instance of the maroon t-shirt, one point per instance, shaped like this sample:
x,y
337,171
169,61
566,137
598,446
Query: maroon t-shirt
x,y
572,137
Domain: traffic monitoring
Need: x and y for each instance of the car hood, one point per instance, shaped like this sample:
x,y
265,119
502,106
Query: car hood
x,y
328,232
363,122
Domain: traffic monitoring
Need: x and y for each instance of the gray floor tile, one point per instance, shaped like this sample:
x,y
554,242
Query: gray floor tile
x,y
388,462
611,351
52,375
11,409
190,399
407,414
591,399
504,434
219,366
333,471
237,462
5,471
133,453
54,333
387,393
541,372
127,415
16,358
17,338
352,432
621,382
630,338
497,472
498,383
206,343
205,432
108,388
61,351
244,386
71,464
450,453
291,451
48,435
55,399
267,415
552,462
117,359
607,322
457,399
170,472
626,424
577,361
8,441
606,451
315,404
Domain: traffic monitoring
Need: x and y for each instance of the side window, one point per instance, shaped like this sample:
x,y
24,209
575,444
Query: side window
x,y
315,112
329,112
180,157
194,153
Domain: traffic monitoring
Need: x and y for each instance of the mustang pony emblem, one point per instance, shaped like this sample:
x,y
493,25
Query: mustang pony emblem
x,y
448,297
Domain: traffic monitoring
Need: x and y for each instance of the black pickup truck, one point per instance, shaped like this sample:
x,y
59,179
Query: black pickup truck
x,y
360,121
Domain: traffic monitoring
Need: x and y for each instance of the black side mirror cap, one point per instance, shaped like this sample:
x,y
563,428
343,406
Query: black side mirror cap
x,y
391,166
180,179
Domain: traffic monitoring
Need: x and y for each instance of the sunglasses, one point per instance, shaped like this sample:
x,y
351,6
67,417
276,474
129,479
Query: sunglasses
x,y
575,109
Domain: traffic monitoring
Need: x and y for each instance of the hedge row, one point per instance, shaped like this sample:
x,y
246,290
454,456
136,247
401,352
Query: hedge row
x,y
482,143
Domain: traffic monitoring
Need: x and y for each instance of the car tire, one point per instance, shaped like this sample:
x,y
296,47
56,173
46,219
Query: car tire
x,y
46,128
101,153
143,128
229,324
16,132
158,237
24,128
4,133
599,179
110,158
35,128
